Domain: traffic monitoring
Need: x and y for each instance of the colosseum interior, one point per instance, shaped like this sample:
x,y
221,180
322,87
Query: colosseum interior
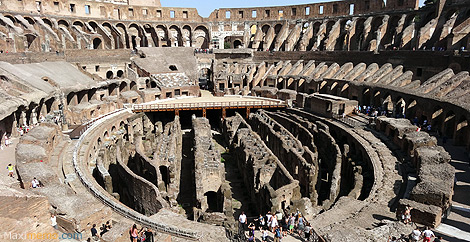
x,y
133,113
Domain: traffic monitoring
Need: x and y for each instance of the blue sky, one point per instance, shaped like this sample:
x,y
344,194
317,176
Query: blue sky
x,y
205,7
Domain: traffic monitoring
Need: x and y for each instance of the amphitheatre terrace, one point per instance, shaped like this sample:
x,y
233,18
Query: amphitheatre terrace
x,y
129,112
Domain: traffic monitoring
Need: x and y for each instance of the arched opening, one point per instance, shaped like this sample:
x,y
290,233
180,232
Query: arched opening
x,y
376,102
388,103
109,75
165,175
366,97
212,202
436,118
449,124
400,108
97,43
70,99
112,89
201,35
237,44
410,110
187,36
462,134
120,73
133,86
123,87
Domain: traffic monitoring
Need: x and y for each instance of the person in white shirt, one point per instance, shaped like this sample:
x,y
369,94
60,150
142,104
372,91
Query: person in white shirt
x,y
54,221
35,183
415,234
427,235
269,219
242,220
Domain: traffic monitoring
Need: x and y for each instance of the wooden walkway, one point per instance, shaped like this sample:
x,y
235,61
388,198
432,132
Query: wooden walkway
x,y
176,107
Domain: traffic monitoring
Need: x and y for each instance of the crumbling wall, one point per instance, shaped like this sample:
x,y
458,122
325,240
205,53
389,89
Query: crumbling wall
x,y
298,159
432,195
209,170
271,187
168,154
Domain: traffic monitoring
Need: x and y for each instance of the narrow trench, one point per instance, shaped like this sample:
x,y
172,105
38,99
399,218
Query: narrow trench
x,y
240,194
187,194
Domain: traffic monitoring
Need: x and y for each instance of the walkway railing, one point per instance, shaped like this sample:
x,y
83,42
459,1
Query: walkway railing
x,y
77,132
347,120
206,105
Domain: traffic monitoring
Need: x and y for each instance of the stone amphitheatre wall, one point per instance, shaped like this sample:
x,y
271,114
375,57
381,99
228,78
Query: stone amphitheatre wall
x,y
335,29
431,197
345,150
440,99
90,144
298,159
271,185
212,193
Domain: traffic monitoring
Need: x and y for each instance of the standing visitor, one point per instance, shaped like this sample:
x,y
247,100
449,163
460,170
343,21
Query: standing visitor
x,y
133,233
94,233
242,220
300,224
307,231
10,169
54,221
427,235
277,235
415,234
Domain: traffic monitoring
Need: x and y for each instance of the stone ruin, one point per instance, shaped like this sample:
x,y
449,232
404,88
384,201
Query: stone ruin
x,y
73,75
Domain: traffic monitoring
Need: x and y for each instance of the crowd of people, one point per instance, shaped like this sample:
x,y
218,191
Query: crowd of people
x,y
426,235
144,234
203,51
279,224
95,236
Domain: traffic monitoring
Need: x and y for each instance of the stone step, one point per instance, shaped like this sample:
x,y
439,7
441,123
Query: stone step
x,y
452,231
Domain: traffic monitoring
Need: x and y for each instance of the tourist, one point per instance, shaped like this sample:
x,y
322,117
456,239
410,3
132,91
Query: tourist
x,y
108,225
242,220
300,224
278,216
143,235
264,236
415,234
268,219
291,223
427,235
277,235
54,221
285,226
7,141
406,217
35,183
307,231
392,239
260,221
133,233
251,232
10,169
274,223
149,235
94,233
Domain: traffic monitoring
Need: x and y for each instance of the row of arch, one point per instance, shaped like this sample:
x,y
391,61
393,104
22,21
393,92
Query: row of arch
x,y
448,120
44,34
